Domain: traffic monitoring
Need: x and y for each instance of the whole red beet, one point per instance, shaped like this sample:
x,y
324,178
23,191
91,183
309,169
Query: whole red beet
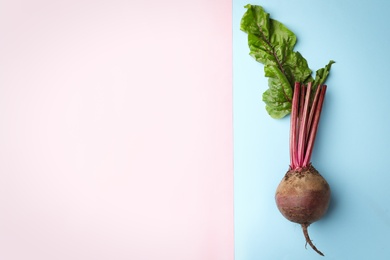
x,y
303,195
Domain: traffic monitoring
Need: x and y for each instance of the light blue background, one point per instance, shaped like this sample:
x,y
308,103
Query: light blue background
x,y
352,146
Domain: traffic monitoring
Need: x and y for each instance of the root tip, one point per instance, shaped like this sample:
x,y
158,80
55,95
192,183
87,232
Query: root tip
x,y
308,241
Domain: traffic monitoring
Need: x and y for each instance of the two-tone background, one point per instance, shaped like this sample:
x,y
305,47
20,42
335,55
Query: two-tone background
x,y
135,130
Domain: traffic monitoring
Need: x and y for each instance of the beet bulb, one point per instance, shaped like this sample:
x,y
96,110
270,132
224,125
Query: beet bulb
x,y
303,197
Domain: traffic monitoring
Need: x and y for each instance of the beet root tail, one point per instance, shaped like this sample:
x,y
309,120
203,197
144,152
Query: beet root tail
x,y
308,241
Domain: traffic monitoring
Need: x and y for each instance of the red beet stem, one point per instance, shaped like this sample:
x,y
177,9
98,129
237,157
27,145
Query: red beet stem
x,y
305,117
312,110
308,241
293,126
303,124
314,127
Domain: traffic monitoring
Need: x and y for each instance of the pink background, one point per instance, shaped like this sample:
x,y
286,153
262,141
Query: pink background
x,y
116,130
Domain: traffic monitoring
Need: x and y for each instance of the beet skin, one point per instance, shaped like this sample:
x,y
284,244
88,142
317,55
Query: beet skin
x,y
303,196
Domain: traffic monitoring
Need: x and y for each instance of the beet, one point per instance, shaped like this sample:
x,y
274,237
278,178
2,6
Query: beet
x,y
303,197
303,194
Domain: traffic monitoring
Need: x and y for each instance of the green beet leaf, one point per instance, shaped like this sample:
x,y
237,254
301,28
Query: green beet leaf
x,y
278,96
272,44
322,74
